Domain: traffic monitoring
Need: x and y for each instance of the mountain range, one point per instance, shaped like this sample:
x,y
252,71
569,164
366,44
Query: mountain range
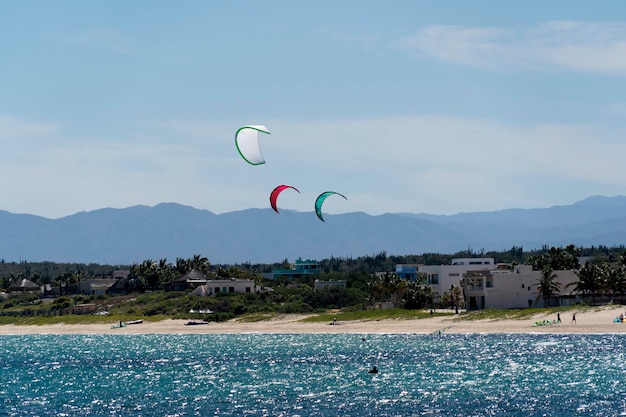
x,y
170,231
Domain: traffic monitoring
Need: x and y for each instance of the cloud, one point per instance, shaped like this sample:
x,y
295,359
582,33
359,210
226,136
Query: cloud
x,y
22,138
445,164
421,163
15,128
587,47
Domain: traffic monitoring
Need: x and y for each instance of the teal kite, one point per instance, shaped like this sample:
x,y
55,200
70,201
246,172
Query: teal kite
x,y
320,200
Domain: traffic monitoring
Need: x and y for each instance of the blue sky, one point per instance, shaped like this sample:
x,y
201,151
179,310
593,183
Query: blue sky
x,y
405,106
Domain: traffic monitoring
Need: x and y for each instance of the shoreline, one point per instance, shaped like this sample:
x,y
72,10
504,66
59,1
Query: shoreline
x,y
598,321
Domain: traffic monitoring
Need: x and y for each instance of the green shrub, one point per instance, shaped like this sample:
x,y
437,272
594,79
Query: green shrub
x,y
218,317
61,303
240,309
154,310
295,307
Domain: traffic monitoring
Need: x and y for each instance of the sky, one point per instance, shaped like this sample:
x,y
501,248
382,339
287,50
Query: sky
x,y
404,106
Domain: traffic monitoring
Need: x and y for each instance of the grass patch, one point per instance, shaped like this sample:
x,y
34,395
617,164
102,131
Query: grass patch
x,y
372,315
256,317
75,319
521,314
498,314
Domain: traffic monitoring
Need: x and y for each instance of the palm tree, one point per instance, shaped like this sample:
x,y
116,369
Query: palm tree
x,y
167,272
393,286
387,286
614,279
590,280
182,266
79,275
72,279
547,285
149,272
200,263
61,282
418,294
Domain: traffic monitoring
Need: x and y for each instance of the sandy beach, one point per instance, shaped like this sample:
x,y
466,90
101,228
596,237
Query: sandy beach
x,y
589,321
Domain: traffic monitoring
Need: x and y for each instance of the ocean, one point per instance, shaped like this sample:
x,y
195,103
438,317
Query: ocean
x,y
313,375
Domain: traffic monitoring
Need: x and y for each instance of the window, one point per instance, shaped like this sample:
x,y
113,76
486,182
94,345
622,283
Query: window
x,y
231,289
247,289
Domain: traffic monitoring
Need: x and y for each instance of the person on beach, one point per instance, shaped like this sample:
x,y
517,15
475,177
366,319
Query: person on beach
x,y
558,317
574,318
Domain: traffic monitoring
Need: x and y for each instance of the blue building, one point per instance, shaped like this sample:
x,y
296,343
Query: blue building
x,y
407,271
301,269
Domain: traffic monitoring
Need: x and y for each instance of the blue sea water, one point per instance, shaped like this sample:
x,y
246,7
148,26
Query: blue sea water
x,y
313,375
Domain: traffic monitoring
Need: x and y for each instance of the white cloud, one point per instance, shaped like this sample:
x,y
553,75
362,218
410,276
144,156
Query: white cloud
x,y
437,164
14,128
446,164
588,47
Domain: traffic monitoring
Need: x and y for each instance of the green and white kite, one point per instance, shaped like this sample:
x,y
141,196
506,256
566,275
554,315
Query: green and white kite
x,y
247,142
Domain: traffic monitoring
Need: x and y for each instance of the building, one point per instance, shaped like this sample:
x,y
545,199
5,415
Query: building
x,y
96,286
442,277
25,286
188,281
517,288
301,269
319,285
217,286
121,284
487,285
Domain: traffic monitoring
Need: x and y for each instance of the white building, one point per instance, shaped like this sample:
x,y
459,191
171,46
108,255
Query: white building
x,y
442,277
319,285
487,285
517,288
216,286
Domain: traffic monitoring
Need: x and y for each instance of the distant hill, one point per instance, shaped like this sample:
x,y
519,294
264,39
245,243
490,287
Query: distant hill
x,y
169,230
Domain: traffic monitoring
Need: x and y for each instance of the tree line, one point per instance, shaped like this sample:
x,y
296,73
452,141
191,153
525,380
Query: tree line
x,y
604,273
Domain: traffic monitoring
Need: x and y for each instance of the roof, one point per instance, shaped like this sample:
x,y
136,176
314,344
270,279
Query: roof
x,y
120,273
201,291
120,284
24,285
191,276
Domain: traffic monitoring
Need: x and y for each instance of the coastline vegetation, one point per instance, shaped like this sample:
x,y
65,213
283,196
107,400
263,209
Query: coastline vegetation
x,y
368,283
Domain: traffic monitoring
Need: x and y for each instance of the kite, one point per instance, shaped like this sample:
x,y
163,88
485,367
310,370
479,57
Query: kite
x,y
276,191
320,200
247,142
